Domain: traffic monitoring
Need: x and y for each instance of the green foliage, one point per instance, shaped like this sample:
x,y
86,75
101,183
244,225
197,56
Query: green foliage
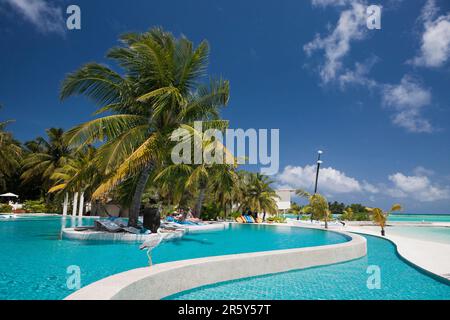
x,y
235,214
36,206
5,208
276,219
210,211
357,207
360,216
295,208
336,207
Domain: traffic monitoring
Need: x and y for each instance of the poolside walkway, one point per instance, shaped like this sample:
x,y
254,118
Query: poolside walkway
x,y
426,254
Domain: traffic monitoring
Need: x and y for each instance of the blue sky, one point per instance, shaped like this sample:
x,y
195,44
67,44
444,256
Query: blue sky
x,y
376,101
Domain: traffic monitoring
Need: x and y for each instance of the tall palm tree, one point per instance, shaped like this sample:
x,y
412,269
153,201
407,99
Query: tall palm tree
x,y
318,205
10,154
380,217
44,157
223,185
157,91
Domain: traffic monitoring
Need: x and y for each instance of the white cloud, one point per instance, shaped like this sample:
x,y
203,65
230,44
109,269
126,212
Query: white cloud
x,y
435,42
331,181
46,17
421,171
408,99
359,75
417,187
350,27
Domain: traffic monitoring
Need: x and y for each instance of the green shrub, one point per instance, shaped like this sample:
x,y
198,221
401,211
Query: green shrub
x,y
5,208
276,219
36,206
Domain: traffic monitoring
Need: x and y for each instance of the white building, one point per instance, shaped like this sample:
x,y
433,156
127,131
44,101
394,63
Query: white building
x,y
284,202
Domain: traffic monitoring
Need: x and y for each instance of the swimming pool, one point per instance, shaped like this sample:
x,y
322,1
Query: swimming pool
x,y
348,280
34,260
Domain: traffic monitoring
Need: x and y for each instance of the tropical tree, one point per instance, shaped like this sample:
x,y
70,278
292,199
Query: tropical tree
x,y
79,174
43,157
380,217
318,205
347,214
223,185
10,154
157,91
257,194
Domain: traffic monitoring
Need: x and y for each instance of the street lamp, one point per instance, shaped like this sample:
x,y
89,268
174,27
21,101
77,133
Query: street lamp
x,y
319,162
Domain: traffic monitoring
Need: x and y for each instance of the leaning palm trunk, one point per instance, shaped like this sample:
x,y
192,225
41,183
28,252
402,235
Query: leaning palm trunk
x,y
199,203
137,197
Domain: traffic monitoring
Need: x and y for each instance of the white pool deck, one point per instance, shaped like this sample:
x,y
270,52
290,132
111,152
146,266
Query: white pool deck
x,y
429,255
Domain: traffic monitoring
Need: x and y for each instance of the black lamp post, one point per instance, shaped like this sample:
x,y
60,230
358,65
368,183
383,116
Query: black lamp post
x,y
319,162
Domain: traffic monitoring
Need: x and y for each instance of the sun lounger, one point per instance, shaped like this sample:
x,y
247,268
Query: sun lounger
x,y
107,225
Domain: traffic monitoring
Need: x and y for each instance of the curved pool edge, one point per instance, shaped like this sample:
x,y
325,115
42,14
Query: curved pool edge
x,y
402,247
166,279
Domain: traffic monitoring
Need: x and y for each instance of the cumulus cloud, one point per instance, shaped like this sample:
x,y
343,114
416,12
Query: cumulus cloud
x,y
42,14
350,27
435,42
417,187
408,99
331,181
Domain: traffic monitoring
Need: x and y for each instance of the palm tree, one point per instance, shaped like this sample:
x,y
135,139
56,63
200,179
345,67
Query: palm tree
x,y
318,205
45,157
380,217
80,173
10,154
157,91
197,178
223,185
347,214
257,194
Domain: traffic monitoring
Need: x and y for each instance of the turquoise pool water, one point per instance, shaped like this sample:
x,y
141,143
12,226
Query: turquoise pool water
x,y
399,281
34,260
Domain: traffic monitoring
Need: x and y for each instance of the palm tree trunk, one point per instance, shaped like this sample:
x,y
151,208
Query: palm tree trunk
x,y
326,223
137,196
264,216
382,231
199,203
